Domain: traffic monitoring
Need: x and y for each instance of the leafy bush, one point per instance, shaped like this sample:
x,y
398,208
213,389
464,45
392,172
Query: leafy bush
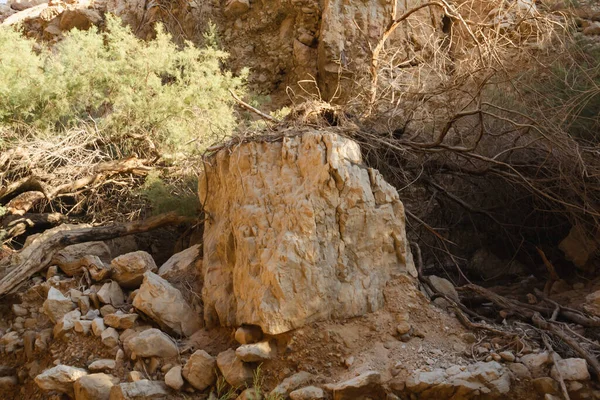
x,y
174,196
120,85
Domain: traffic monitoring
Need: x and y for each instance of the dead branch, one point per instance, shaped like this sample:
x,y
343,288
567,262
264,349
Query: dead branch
x,y
16,225
526,311
42,255
555,359
567,339
252,109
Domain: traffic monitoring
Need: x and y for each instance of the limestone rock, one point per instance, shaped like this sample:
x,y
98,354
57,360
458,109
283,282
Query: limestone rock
x,y
571,369
107,309
152,343
507,356
250,394
488,379
120,320
173,378
519,370
234,370
361,387
317,236
181,264
159,300
98,326
60,379
248,334
291,383
234,8
199,371
66,323
308,393
255,352
84,304
57,305
546,385
110,337
102,365
111,293
93,387
19,310
537,363
139,390
11,341
82,326
65,258
444,286
128,269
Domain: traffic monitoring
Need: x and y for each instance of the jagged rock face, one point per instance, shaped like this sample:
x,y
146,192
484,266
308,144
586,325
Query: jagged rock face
x,y
299,230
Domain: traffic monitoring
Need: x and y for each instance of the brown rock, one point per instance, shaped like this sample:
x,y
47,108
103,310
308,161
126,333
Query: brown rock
x,y
248,334
119,320
162,302
128,269
93,387
199,371
234,8
366,384
234,370
80,18
139,390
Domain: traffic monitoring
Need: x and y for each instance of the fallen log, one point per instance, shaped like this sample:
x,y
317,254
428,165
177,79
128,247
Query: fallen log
x,y
40,257
15,225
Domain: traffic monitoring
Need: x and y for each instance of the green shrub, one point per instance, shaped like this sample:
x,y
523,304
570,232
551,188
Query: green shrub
x,y
173,196
121,85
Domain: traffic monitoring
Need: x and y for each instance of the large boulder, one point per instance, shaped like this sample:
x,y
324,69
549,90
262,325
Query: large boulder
x,y
128,269
310,234
162,302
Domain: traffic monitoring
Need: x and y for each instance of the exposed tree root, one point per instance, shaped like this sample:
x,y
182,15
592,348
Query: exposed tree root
x,y
533,313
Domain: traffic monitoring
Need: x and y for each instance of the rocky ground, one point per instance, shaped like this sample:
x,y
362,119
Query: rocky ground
x,y
223,320
139,335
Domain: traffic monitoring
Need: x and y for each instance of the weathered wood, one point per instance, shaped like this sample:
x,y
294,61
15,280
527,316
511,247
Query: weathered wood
x,y
42,255
16,225
526,311
539,322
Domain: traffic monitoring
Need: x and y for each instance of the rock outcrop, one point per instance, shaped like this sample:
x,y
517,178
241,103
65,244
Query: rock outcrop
x,y
488,379
300,230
